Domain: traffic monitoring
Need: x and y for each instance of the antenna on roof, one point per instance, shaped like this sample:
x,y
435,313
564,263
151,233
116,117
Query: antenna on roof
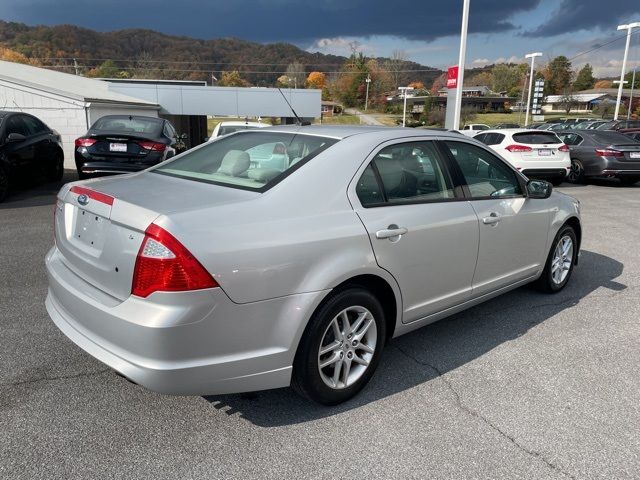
x,y
298,119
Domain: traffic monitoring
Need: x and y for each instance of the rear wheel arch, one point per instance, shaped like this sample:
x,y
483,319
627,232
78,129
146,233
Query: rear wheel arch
x,y
574,222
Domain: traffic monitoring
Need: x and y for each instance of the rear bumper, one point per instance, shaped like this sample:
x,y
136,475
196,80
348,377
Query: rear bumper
x,y
621,173
545,173
188,343
90,166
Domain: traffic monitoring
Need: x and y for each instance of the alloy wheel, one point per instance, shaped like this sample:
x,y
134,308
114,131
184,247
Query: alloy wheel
x,y
576,171
562,260
347,347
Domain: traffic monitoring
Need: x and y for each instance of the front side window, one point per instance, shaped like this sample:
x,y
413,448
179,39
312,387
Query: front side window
x,y
250,160
16,125
34,125
410,173
485,174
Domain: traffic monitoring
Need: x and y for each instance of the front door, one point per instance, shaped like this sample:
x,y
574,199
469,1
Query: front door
x,y
513,228
421,228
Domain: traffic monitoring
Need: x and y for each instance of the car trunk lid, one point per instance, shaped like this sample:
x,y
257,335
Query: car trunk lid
x,y
100,225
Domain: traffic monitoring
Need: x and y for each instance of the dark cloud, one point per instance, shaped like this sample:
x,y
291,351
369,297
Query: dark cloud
x,y
275,20
575,15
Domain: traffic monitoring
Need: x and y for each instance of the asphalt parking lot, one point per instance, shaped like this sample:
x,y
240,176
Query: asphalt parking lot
x,y
524,386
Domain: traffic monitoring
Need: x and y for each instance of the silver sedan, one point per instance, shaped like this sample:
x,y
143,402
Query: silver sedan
x,y
290,255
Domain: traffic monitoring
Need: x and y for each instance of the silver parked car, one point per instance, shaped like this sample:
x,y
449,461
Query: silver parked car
x,y
290,255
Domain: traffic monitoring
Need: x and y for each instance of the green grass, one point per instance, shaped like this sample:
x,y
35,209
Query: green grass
x,y
340,120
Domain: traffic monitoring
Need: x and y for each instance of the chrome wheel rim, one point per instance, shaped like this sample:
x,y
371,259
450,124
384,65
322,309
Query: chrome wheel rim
x,y
347,347
576,171
562,259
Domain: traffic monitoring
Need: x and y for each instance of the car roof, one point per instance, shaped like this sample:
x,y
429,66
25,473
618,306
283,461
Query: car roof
x,y
238,123
515,130
344,131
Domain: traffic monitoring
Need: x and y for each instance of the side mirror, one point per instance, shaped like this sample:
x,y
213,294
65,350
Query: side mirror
x,y
539,189
15,137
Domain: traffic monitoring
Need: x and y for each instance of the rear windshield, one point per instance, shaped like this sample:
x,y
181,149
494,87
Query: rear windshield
x,y
250,160
234,128
147,125
611,138
536,138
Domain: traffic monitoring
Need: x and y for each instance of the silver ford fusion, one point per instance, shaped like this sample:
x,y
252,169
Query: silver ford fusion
x,y
290,255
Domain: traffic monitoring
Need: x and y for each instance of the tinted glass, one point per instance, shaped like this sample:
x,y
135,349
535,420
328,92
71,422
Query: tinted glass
x,y
34,126
610,138
485,174
413,172
252,160
16,125
226,130
570,138
368,189
146,125
481,127
536,138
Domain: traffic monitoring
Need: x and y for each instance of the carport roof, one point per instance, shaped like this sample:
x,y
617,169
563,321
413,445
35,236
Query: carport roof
x,y
64,84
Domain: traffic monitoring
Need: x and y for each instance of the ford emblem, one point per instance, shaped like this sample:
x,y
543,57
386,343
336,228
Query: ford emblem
x,y
83,199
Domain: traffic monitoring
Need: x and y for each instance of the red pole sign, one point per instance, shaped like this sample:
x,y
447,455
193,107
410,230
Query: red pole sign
x,y
452,77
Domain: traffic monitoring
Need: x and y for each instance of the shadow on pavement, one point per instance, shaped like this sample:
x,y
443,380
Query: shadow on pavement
x,y
35,191
441,347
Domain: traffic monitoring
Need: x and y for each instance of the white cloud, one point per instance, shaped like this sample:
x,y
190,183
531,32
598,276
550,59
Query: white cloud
x,y
341,46
480,62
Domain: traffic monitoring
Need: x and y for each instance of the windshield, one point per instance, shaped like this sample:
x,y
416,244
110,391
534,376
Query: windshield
x,y
251,160
124,124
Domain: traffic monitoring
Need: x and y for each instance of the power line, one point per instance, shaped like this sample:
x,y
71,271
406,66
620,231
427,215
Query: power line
x,y
603,45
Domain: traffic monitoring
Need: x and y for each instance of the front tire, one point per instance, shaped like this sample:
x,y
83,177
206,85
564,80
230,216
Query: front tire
x,y
340,348
55,170
560,262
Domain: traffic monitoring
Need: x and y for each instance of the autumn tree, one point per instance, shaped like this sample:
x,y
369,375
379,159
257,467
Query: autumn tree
x,y
438,83
317,80
12,56
506,77
558,75
350,83
584,80
629,78
108,69
296,74
484,78
603,84
232,79
394,66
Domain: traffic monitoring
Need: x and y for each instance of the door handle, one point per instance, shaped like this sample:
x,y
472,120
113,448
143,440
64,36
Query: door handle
x,y
492,219
390,232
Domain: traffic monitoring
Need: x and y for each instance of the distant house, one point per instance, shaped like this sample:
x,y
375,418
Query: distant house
x,y
477,91
329,109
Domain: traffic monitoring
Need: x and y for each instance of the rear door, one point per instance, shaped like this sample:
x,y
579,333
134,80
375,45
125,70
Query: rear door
x,y
513,228
42,138
421,228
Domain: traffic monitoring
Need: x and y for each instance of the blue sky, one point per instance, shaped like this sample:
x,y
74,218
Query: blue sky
x,y
426,30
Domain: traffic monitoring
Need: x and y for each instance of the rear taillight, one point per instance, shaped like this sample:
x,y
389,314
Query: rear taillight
x,y
164,264
605,152
563,148
154,146
85,142
518,148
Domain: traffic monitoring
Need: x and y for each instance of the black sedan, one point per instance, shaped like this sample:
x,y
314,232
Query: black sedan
x,y
124,144
27,146
596,153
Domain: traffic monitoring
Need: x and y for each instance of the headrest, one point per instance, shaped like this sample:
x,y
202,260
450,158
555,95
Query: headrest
x,y
234,163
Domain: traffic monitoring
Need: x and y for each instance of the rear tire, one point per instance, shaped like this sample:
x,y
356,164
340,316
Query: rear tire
x,y
576,173
4,183
350,329
560,261
628,181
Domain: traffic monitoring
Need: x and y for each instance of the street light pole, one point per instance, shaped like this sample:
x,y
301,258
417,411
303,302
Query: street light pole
x,y
366,98
532,56
633,83
404,109
628,28
463,50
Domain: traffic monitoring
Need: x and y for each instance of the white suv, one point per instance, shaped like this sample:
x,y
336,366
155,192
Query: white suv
x,y
536,153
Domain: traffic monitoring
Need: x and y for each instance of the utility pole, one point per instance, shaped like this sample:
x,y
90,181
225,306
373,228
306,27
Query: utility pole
x,y
463,50
628,28
75,66
366,98
633,83
532,56
404,110
524,88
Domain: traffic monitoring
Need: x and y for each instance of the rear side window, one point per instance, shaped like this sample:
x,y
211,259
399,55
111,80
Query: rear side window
x,y
410,173
536,138
572,139
250,160
34,125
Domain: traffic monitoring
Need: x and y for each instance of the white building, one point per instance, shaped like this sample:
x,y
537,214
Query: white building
x,y
67,103
70,104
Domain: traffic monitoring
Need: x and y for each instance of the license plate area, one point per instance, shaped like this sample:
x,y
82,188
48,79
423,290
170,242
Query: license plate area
x,y
544,152
118,147
634,155
89,230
